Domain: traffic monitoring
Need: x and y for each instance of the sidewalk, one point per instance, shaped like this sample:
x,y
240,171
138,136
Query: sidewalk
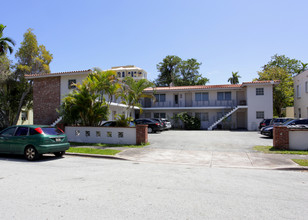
x,y
213,159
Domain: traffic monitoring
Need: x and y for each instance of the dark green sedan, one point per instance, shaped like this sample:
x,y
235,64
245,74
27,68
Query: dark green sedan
x,y
33,141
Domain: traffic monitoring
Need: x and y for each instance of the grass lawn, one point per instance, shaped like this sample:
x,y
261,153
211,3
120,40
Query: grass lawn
x,y
301,162
73,144
272,150
88,150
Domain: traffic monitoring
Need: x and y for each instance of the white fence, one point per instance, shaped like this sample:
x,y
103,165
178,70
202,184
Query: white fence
x,y
298,139
106,135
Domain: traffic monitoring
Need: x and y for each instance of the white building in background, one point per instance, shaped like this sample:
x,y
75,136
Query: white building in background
x,y
130,70
301,95
241,106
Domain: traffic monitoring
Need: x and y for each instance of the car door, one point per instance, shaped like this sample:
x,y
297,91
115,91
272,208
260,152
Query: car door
x,y
5,139
19,140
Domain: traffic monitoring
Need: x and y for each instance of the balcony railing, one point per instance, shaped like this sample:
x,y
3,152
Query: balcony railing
x,y
211,103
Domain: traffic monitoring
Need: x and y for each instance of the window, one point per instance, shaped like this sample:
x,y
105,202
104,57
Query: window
x,y
88,134
160,97
204,116
306,87
160,115
123,74
98,133
204,96
223,96
298,91
21,131
119,74
33,131
260,115
299,113
9,132
259,91
71,83
24,115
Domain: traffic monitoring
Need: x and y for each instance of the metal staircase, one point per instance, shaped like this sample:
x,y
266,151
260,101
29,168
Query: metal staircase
x,y
222,118
56,121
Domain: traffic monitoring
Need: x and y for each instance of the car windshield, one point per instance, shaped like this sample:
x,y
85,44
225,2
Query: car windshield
x,y
52,131
289,122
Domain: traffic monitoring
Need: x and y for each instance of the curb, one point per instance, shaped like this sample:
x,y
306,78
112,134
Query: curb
x,y
305,169
94,156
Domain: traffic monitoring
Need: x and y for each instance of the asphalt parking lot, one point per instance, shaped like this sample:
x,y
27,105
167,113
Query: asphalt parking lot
x,y
224,141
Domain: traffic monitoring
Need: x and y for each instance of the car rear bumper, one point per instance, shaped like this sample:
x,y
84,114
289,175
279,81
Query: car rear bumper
x,y
52,148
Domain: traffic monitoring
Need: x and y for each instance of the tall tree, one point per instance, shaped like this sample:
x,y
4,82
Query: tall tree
x,y
31,59
179,72
169,70
189,73
5,42
234,79
292,66
282,93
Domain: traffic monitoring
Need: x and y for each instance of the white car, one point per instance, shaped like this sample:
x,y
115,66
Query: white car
x,y
167,123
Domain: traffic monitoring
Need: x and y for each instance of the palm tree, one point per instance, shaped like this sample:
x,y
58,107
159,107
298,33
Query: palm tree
x,y
104,83
5,42
132,92
303,68
234,78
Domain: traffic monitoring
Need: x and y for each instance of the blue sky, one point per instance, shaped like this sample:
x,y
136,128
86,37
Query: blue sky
x,y
225,35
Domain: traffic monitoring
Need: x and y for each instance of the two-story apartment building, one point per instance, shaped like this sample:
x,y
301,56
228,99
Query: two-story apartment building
x,y
49,89
240,106
301,95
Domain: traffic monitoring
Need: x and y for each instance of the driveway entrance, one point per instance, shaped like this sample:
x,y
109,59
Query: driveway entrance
x,y
224,141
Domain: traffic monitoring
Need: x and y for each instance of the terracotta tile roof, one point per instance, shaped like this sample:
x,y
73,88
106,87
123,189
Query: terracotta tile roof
x,y
193,87
260,82
32,76
202,87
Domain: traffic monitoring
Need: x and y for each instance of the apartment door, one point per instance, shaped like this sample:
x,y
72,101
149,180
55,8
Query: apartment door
x,y
188,100
176,100
241,120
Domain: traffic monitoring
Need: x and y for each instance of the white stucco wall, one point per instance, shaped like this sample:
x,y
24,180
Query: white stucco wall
x,y
258,103
298,140
64,90
302,101
78,134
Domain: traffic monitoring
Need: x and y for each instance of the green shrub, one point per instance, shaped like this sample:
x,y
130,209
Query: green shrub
x,y
190,122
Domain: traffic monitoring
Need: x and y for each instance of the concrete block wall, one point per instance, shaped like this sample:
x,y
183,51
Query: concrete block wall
x,y
108,135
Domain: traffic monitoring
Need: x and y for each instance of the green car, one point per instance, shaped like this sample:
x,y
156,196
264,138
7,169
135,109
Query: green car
x,y
33,141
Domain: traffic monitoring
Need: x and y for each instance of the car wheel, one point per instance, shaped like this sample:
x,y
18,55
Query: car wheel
x,y
150,130
59,154
31,153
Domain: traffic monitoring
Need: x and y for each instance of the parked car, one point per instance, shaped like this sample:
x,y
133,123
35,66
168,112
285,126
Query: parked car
x,y
167,123
268,130
264,123
279,121
114,124
153,126
162,123
33,141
